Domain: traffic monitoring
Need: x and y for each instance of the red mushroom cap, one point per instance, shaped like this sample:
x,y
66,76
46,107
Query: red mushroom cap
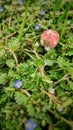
x,y
49,39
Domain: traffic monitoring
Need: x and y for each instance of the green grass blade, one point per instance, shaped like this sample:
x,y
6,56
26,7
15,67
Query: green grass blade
x,y
56,7
23,22
65,20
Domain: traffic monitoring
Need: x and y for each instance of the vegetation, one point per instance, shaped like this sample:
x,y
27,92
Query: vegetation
x,y
36,84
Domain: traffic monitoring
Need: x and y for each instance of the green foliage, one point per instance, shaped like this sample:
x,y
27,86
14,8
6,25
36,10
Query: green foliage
x,y
2,52
13,44
10,63
21,99
3,78
38,62
46,94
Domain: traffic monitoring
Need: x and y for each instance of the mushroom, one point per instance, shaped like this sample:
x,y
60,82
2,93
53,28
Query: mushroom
x,y
49,39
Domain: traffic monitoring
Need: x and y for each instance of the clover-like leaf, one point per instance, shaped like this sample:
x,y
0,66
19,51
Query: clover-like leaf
x,y
10,63
21,99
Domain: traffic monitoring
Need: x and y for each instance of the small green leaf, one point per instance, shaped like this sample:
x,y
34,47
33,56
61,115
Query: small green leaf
x,y
62,62
43,123
48,118
38,62
21,99
2,52
48,62
50,53
71,84
67,102
14,45
3,78
13,74
70,52
10,63
22,67
71,72
31,109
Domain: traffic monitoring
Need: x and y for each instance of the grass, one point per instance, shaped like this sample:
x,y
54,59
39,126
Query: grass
x,y
24,21
23,58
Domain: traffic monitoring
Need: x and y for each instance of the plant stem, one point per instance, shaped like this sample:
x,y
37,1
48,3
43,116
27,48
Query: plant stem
x,y
55,99
63,78
26,92
23,22
12,52
70,123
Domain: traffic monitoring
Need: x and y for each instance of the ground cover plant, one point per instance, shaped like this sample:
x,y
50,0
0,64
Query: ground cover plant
x,y
36,85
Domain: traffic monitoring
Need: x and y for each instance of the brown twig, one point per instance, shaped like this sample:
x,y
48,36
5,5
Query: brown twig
x,y
63,78
12,52
12,34
9,21
70,123
53,97
26,92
